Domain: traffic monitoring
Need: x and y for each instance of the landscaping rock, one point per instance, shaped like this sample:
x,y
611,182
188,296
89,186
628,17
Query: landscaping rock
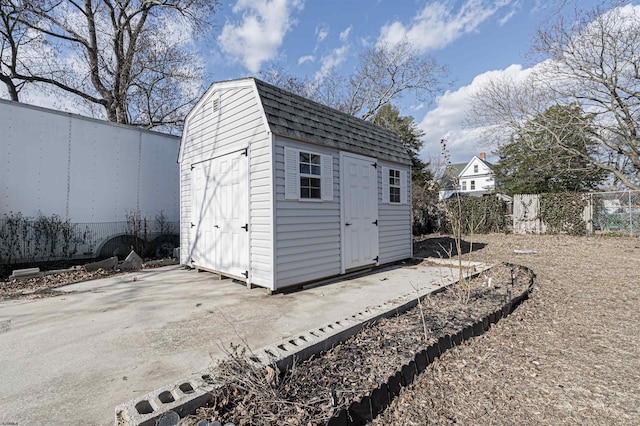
x,y
107,265
133,262
25,274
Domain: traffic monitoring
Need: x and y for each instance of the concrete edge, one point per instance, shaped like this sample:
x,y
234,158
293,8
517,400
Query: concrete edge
x,y
185,396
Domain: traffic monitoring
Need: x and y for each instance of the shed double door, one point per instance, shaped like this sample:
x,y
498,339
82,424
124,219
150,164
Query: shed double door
x,y
220,236
359,195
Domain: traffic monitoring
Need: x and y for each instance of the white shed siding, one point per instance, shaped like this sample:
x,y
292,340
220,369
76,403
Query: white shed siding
x,y
237,124
394,229
307,232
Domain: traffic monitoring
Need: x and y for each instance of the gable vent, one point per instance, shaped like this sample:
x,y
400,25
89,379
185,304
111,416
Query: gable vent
x,y
215,104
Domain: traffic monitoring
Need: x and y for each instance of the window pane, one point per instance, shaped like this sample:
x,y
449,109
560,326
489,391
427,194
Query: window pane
x,y
394,194
315,170
304,193
314,183
304,168
315,193
304,157
315,159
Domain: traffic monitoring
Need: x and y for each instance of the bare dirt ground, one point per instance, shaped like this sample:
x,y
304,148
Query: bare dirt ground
x,y
569,355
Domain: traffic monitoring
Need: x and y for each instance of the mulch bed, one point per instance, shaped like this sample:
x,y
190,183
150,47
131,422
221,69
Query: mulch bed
x,y
313,390
39,287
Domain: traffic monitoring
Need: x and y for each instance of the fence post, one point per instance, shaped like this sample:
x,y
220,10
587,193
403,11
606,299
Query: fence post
x,y
630,217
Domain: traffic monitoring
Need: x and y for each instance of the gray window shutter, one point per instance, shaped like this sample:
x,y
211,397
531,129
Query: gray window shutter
x,y
385,185
291,180
403,187
327,178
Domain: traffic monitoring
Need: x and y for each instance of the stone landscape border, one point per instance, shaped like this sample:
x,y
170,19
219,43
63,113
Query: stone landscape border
x,y
370,406
186,396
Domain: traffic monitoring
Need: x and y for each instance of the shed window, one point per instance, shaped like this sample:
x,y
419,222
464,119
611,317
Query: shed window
x,y
394,186
308,175
473,185
475,168
464,185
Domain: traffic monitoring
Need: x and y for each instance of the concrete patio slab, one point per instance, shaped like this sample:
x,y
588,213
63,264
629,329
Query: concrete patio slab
x,y
71,359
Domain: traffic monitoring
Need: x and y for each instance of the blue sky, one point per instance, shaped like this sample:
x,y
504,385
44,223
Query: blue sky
x,y
474,38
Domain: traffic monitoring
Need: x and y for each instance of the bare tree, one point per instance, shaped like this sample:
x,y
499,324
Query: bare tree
x,y
130,58
388,72
385,73
590,60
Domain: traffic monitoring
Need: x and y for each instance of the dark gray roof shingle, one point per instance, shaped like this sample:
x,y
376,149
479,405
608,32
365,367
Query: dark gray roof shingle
x,y
296,117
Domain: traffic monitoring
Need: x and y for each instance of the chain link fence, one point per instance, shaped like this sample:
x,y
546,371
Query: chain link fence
x,y
616,212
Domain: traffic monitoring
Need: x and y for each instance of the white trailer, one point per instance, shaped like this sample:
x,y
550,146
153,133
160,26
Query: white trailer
x,y
84,170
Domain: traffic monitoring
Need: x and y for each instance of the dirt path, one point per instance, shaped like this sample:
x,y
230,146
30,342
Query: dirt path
x,y
569,355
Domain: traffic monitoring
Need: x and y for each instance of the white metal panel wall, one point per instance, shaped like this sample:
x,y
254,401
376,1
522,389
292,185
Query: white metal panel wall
x,y
34,167
159,176
236,124
307,232
84,169
394,230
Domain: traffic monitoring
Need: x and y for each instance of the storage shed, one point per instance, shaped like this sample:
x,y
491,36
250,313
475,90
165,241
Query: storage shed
x,y
277,190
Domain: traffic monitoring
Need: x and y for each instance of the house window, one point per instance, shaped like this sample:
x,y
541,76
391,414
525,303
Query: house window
x,y
464,185
473,185
310,176
394,186
475,168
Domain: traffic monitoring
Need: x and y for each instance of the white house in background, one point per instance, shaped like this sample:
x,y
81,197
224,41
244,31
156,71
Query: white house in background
x,y
277,190
475,178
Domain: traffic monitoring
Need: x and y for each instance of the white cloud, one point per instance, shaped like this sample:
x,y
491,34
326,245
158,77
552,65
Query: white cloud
x,y
448,119
307,58
438,25
260,34
506,18
345,34
322,31
332,61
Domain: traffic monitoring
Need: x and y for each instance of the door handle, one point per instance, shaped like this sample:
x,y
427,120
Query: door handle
x,y
347,224
216,226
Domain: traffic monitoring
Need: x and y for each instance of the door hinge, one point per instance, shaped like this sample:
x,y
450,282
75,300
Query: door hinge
x,y
193,224
246,274
193,166
377,259
245,227
375,222
375,165
245,152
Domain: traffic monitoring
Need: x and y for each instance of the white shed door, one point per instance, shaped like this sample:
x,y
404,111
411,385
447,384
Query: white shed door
x,y
220,197
202,216
359,192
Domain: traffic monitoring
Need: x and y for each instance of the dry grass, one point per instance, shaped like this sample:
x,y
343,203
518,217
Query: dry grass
x,y
569,355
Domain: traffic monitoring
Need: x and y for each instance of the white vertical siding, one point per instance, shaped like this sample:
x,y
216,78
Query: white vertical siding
x,y
237,123
307,233
394,223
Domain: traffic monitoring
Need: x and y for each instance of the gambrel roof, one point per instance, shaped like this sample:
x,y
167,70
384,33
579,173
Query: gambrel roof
x,y
293,116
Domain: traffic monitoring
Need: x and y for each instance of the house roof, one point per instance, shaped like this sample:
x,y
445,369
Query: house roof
x,y
299,118
446,182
